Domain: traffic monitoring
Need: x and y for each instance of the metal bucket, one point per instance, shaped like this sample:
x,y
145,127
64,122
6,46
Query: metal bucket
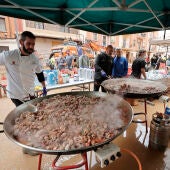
x,y
159,131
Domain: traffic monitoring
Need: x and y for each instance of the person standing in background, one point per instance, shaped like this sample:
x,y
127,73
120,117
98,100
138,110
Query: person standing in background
x,y
51,62
61,62
120,65
154,60
84,61
168,61
158,62
138,66
103,67
69,60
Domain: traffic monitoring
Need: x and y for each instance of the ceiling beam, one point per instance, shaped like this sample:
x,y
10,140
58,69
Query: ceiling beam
x,y
88,22
117,3
80,9
117,23
136,25
8,6
137,10
30,11
153,14
84,10
134,3
79,25
141,22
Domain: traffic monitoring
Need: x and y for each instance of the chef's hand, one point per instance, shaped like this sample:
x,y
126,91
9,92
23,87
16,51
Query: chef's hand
x,y
44,91
103,74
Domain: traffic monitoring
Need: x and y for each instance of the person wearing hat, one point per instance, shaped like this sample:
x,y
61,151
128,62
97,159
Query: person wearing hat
x,y
138,66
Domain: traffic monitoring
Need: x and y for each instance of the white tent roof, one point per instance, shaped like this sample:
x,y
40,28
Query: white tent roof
x,y
160,42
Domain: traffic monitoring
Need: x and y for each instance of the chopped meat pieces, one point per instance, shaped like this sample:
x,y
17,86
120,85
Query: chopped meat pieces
x,y
69,122
135,86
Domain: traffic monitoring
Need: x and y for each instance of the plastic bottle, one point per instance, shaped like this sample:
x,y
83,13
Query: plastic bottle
x,y
56,75
64,78
51,79
88,74
85,73
80,72
167,109
92,74
76,77
60,78
45,74
67,78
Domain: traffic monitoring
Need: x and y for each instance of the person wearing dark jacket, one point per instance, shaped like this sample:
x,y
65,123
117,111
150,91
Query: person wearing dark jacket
x,y
103,67
154,60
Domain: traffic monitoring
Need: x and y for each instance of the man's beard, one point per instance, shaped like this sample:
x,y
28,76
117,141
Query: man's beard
x,y
28,50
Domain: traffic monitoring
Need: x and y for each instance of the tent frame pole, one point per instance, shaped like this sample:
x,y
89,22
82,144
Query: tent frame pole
x,y
30,11
88,22
164,34
118,23
134,3
84,10
80,9
154,14
141,22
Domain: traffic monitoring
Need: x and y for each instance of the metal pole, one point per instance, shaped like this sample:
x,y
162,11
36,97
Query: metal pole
x,y
64,29
167,45
83,39
149,51
149,48
164,34
159,48
166,51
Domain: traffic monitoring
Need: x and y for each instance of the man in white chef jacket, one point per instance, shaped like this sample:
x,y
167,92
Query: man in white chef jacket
x,y
21,66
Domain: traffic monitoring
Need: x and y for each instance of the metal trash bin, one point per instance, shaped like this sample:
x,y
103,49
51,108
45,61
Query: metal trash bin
x,y
159,131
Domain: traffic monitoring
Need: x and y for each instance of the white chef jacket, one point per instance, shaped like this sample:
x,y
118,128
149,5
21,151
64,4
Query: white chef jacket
x,y
20,73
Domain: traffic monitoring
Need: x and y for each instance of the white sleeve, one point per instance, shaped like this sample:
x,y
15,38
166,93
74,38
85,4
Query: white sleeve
x,y
38,68
2,58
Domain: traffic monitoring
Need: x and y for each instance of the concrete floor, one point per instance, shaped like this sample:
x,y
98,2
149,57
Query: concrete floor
x,y
134,139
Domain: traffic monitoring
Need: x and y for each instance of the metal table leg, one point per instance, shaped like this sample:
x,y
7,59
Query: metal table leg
x,y
84,162
39,162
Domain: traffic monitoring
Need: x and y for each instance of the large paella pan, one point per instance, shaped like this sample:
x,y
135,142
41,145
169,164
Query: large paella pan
x,y
95,119
134,88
